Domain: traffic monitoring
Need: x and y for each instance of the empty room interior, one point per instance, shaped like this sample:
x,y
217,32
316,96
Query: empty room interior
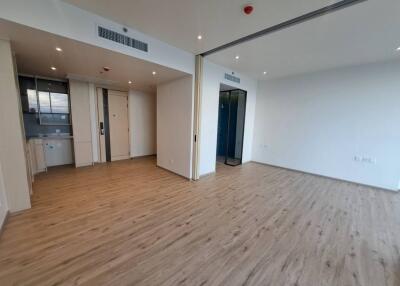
x,y
214,142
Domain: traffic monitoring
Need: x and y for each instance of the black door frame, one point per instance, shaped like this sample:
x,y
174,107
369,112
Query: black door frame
x,y
106,125
228,121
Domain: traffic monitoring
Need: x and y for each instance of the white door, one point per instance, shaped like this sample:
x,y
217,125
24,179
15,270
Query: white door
x,y
119,124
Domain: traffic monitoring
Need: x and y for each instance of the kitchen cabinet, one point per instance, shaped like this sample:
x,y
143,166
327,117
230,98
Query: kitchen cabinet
x,y
36,156
49,151
58,151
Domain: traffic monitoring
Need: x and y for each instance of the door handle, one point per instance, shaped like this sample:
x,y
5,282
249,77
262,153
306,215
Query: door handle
x,y
101,128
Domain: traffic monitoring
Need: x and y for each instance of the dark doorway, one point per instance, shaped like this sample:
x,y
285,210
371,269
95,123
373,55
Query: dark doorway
x,y
231,118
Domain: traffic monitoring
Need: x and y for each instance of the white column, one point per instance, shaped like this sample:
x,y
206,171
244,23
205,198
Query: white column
x,y
12,136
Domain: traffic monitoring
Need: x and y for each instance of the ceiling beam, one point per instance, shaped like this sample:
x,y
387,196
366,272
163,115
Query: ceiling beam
x,y
289,23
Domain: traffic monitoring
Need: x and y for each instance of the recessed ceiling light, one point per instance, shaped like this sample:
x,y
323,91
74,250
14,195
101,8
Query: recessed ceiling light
x,y
53,68
237,57
199,37
154,73
264,72
58,49
130,82
398,49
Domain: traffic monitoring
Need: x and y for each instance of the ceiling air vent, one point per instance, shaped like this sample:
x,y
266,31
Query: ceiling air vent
x,y
232,78
121,39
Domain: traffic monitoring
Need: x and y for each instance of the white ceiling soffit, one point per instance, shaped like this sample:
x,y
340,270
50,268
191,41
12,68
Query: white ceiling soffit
x,y
363,33
179,22
36,53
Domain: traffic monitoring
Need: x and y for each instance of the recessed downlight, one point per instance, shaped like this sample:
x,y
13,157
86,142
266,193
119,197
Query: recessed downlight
x,y
130,82
53,68
154,73
398,49
199,37
58,49
264,72
237,57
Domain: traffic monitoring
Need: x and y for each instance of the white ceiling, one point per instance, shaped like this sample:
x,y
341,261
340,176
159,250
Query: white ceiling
x,y
363,33
179,22
35,54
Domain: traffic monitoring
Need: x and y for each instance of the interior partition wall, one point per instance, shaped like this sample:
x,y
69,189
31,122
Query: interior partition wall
x,y
231,119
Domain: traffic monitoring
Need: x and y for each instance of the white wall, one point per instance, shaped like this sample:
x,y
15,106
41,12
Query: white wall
x,y
213,76
12,140
320,122
174,126
60,18
142,123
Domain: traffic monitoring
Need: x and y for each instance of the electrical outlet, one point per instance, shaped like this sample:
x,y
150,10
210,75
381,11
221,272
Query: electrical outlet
x,y
364,159
368,160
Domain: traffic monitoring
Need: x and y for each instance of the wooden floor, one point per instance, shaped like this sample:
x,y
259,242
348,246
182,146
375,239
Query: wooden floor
x,y
131,223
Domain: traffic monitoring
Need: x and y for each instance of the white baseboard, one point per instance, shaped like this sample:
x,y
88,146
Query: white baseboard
x,y
3,219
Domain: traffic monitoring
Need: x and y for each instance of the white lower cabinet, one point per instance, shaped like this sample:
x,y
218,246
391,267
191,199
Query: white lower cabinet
x,y
36,156
58,152
43,153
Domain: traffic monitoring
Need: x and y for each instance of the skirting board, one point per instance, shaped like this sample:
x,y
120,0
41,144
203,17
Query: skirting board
x,y
3,223
144,156
213,172
327,177
207,174
186,178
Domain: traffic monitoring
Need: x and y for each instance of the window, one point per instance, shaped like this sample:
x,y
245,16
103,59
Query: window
x,y
59,102
44,102
52,102
32,100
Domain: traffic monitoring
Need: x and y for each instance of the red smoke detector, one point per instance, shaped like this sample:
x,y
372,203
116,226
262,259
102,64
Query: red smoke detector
x,y
248,9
